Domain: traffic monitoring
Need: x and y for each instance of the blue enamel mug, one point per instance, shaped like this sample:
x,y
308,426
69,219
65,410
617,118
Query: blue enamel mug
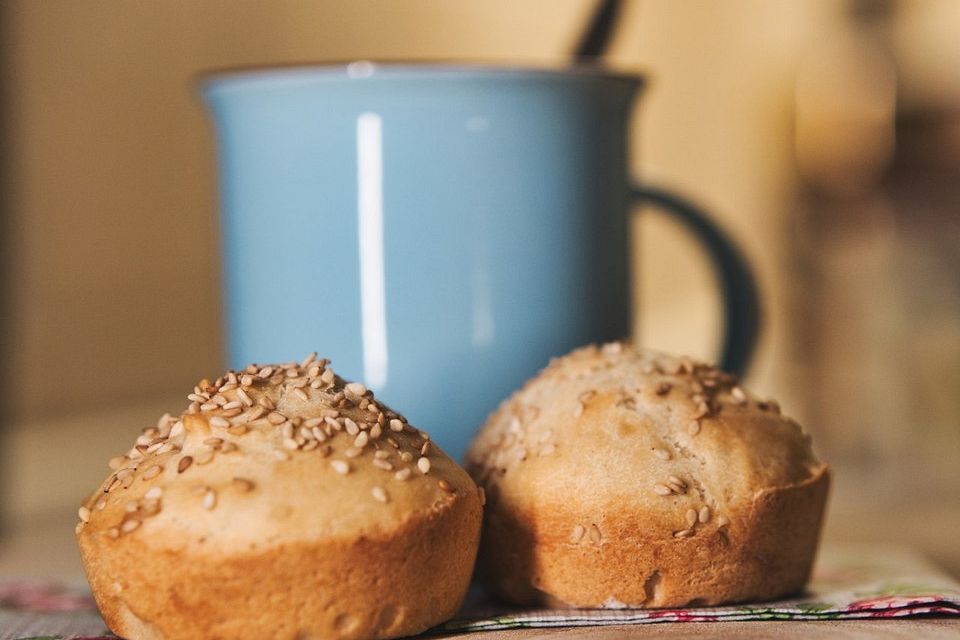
x,y
440,232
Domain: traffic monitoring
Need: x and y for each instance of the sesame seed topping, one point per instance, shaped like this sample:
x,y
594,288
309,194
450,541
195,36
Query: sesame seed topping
x,y
595,536
84,514
382,464
209,500
154,493
403,474
446,486
204,457
722,521
300,393
290,443
340,466
220,422
361,440
662,490
693,427
184,464
276,418
351,426
353,452
355,389
425,449
129,525
242,484
101,504
691,517
281,455
406,456
738,395
424,465
380,494
577,534
396,425
152,472
704,515
663,454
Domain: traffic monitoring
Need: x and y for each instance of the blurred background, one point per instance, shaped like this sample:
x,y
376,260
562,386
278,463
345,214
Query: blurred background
x,y
823,134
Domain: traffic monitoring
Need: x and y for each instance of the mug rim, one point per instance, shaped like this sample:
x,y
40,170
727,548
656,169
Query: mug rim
x,y
215,80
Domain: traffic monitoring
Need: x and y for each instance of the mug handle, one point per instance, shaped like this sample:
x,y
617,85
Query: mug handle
x,y
738,287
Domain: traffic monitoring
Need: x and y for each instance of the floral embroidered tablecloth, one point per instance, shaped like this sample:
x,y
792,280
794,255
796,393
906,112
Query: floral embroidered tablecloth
x,y
848,583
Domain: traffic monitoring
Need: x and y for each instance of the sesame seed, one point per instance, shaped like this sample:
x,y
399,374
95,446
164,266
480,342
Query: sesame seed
x,y
424,465
205,457
101,504
217,421
662,490
685,533
403,474
196,397
228,447
245,397
382,464
380,494
425,449
340,466
84,514
129,525
276,418
361,440
208,406
722,521
131,507
213,442
693,427
176,429
381,455
446,486
396,425
266,372
327,376
281,455
577,534
237,430
595,534
355,389
663,454
117,462
246,380
233,404
353,452
406,456
300,393
677,481
691,517
242,484
290,443
184,464
375,432
153,493
152,472
351,426
704,515
209,500
266,403
738,395
306,362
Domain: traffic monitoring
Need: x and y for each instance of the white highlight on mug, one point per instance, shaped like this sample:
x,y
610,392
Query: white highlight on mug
x,y
373,299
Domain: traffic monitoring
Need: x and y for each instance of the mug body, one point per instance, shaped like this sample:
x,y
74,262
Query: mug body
x,y
440,233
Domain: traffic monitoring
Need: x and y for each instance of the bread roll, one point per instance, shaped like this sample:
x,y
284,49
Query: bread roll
x,y
284,503
621,478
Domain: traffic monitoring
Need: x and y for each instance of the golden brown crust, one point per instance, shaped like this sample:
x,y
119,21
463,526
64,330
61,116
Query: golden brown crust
x,y
602,493
309,518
